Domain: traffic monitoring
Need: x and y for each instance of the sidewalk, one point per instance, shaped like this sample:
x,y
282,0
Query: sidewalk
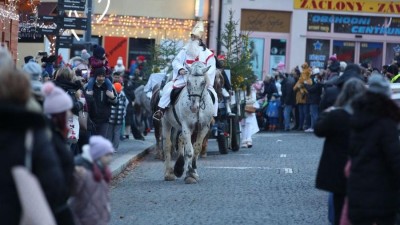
x,y
130,150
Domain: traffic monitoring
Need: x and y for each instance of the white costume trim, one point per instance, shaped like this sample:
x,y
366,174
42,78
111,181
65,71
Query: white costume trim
x,y
182,59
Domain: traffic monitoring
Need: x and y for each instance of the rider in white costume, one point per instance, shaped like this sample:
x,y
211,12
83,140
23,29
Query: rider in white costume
x,y
193,51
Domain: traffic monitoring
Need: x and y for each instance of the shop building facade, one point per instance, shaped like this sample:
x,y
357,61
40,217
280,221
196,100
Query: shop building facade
x,y
295,31
126,28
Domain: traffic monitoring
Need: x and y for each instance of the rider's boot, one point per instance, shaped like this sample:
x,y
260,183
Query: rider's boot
x,y
158,114
228,109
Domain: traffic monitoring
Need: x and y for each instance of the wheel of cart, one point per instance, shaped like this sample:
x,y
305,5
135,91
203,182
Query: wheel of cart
x,y
226,129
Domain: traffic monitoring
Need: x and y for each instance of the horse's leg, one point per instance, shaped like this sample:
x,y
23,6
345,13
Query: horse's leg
x,y
204,146
197,146
189,153
158,135
179,167
169,171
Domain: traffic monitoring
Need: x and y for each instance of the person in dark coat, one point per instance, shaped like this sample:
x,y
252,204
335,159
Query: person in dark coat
x,y
374,182
56,106
332,90
15,120
314,97
333,125
65,79
100,104
269,87
288,99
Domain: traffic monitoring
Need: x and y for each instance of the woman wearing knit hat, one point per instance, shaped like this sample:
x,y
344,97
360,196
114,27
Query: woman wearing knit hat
x,y
90,200
375,156
57,105
16,122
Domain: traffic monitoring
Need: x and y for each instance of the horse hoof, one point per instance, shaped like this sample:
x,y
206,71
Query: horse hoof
x,y
169,177
190,180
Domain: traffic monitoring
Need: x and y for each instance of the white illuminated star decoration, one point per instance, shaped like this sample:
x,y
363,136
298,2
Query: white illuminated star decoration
x,y
396,49
317,45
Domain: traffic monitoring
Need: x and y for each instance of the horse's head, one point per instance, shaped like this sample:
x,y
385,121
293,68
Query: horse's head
x,y
197,82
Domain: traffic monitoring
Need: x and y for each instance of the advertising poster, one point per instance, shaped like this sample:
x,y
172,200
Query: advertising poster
x,y
256,49
317,52
274,60
116,47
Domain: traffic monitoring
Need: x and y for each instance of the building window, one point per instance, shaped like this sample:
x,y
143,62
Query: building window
x,y
317,52
392,49
344,50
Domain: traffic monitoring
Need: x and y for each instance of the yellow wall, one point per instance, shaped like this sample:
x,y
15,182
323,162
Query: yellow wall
x,y
25,49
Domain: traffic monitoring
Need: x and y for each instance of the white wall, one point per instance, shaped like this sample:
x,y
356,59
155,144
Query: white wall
x,y
298,25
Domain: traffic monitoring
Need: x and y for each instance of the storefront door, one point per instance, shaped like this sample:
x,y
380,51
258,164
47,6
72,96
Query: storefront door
x,y
267,52
359,52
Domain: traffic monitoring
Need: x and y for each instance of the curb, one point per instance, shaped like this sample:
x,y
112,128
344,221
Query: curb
x,y
126,163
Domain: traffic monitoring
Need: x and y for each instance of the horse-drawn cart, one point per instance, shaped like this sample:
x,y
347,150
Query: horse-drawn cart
x,y
226,129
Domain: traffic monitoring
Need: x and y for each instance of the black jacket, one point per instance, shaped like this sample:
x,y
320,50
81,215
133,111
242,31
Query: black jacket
x,y
269,89
314,92
329,97
71,88
288,95
330,173
373,185
100,104
14,122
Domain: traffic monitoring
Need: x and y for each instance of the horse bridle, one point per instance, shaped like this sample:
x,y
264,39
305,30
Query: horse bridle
x,y
202,102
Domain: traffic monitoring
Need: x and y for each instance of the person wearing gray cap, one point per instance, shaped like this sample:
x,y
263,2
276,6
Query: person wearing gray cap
x,y
375,156
34,70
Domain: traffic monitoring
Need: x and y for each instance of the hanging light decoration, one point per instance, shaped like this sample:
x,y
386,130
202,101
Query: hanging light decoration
x,y
150,27
27,6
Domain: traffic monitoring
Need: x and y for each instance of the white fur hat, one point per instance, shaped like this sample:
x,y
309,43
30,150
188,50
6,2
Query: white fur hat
x,y
198,29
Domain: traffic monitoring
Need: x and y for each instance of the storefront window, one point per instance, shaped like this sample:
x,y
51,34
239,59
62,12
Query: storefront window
x,y
344,50
277,53
391,50
317,52
256,50
371,53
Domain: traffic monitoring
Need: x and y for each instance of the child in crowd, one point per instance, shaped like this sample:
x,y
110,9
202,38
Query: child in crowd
x,y
117,116
90,200
98,60
273,112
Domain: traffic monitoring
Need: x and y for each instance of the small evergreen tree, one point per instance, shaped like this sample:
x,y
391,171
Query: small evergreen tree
x,y
237,54
161,54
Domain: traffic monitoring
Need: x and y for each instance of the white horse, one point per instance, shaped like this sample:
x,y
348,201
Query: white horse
x,y
191,114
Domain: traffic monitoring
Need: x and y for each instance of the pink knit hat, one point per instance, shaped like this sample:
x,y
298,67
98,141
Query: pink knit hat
x,y
333,57
56,100
99,146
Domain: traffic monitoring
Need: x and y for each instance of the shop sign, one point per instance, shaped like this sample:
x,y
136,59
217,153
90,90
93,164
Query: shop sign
x,y
265,21
351,24
367,6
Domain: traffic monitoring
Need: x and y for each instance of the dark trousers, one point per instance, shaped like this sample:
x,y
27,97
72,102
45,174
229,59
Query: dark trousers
x,y
338,202
101,129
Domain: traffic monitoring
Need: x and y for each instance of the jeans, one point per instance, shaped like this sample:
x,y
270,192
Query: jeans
x,y
114,132
314,112
287,112
303,115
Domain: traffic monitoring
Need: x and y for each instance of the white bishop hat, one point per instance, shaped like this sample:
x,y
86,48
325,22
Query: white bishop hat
x,y
198,29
